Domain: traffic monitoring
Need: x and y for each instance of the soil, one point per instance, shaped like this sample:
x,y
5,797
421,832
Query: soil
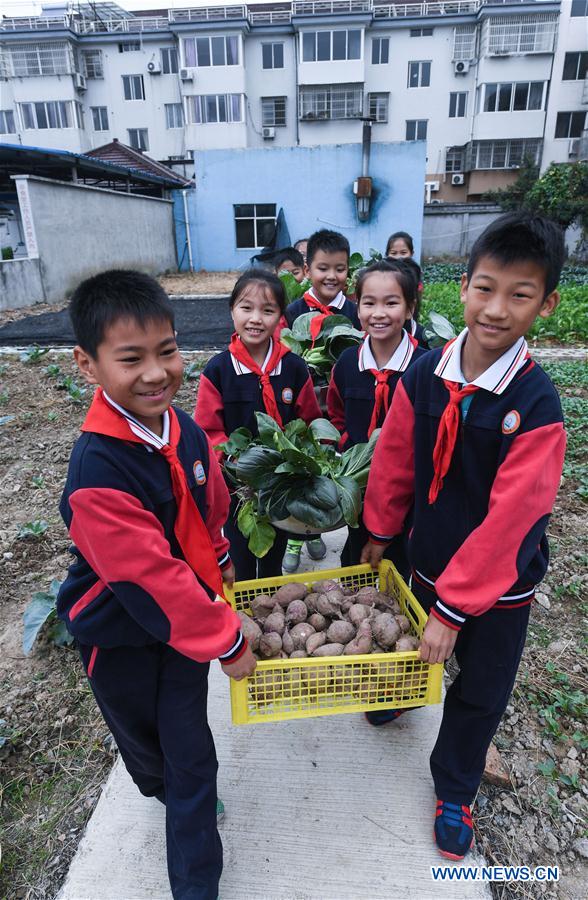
x,y
55,750
199,282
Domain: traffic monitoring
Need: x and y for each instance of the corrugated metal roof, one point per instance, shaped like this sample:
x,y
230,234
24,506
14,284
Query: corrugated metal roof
x,y
122,155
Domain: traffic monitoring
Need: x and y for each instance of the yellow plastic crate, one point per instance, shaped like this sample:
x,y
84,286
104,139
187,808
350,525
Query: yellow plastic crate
x,y
282,689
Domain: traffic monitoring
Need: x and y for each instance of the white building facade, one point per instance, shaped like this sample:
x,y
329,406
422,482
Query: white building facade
x,y
485,82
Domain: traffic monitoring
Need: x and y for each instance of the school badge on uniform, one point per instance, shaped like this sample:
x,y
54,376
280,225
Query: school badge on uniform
x,y
287,395
511,422
199,473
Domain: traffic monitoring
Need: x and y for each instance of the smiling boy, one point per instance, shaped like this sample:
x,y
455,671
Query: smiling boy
x,y
144,503
475,440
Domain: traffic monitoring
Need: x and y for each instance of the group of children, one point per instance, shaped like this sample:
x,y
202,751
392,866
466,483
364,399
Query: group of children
x,y
462,483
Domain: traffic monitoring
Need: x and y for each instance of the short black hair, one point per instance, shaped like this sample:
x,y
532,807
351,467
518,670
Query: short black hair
x,y
100,301
288,253
261,276
401,236
328,242
522,236
403,275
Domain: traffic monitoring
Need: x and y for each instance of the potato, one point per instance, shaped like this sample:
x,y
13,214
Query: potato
x,y
300,634
386,630
329,650
310,601
362,642
367,595
270,645
404,623
387,604
357,613
298,654
288,592
341,632
326,606
261,606
296,612
276,621
346,605
287,642
251,630
323,587
406,642
318,621
315,641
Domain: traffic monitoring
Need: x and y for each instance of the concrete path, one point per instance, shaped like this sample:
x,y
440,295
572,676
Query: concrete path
x,y
317,809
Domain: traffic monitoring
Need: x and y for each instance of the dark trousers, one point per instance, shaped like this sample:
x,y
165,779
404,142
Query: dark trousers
x,y
396,551
248,566
153,699
488,651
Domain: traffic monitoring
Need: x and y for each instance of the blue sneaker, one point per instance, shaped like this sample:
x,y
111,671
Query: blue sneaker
x,y
383,716
454,829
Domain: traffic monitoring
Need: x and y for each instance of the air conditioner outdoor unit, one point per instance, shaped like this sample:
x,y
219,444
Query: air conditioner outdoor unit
x,y
433,186
573,148
154,68
268,133
186,74
457,178
461,66
79,81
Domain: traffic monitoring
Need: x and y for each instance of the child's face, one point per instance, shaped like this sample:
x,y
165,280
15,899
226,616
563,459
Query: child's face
x,y
398,249
255,315
328,274
140,368
289,266
382,308
502,302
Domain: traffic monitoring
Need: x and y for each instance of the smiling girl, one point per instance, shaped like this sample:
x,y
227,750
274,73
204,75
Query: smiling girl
x,y
255,374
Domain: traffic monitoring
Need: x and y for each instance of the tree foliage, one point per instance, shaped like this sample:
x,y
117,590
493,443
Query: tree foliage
x,y
561,193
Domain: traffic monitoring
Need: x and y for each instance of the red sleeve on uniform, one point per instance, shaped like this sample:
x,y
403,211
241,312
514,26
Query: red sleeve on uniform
x,y
306,406
209,413
489,562
335,405
390,488
158,590
217,503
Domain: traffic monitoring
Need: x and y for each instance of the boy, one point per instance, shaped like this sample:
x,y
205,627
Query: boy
x,y
144,503
475,440
290,260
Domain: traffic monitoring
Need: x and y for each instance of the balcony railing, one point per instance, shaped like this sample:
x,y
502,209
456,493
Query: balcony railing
x,y
207,14
122,26
437,8
272,17
34,23
330,7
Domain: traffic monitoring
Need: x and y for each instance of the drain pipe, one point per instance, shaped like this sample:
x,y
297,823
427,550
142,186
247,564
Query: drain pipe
x,y
187,224
362,187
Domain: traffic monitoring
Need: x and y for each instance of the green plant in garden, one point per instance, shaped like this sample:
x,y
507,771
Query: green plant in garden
x,y
294,289
34,529
336,334
41,611
7,253
38,481
52,370
4,397
192,370
31,355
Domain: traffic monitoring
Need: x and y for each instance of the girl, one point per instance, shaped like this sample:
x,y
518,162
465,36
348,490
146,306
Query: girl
x,y
401,248
255,374
363,382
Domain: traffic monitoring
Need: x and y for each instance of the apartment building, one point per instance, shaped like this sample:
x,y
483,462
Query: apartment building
x,y
485,83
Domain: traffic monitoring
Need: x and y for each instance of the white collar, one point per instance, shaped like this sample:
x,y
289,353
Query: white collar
x,y
337,301
241,369
496,378
140,430
397,362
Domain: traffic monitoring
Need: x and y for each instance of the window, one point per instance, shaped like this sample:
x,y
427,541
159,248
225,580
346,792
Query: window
x,y
50,114
41,59
329,101
416,130
380,51
7,124
505,97
457,104
464,42
323,46
133,87
419,74
421,32
506,35
579,8
273,110
93,63
99,118
575,66
129,46
138,138
169,60
255,224
454,158
211,51
504,154
207,109
272,56
174,115
570,124
378,107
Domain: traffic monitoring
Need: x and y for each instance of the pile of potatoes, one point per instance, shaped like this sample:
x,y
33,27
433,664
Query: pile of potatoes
x,y
331,620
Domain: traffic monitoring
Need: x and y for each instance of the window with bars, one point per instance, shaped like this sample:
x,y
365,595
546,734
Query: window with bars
x,y
255,224
169,60
421,32
512,96
7,122
454,159
458,101
133,87
273,111
575,66
211,51
330,101
129,46
272,56
93,65
419,74
464,42
174,115
504,154
570,124
324,46
99,118
51,114
208,109
138,138
41,59
505,36
378,107
380,51
416,129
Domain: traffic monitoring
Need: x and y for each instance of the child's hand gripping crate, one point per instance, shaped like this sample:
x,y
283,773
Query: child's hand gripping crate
x,y
283,689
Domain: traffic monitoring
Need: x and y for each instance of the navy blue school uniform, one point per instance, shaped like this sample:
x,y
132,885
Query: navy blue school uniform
x,y
479,550
147,627
350,403
229,395
341,306
418,333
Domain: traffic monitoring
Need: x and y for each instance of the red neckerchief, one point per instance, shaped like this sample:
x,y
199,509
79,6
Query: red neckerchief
x,y
316,323
189,527
238,349
382,397
447,434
